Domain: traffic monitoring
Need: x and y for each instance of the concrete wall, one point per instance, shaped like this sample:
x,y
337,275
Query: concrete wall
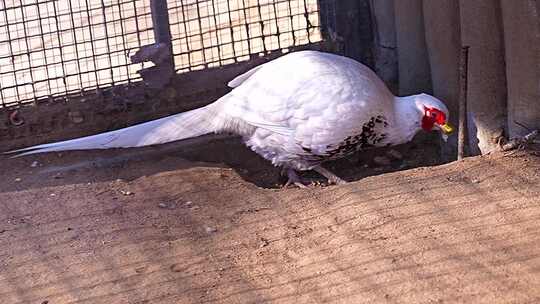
x,y
413,60
481,30
522,45
504,61
441,19
385,47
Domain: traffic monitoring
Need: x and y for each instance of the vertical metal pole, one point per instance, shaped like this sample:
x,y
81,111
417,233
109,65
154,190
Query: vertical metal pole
x,y
462,130
162,30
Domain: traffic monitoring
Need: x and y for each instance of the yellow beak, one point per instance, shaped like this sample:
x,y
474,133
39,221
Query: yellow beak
x,y
447,129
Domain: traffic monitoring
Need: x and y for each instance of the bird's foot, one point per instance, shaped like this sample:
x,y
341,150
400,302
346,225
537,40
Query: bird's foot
x,y
332,178
293,178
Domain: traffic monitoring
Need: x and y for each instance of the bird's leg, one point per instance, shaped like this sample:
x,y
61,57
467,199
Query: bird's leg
x,y
293,178
332,178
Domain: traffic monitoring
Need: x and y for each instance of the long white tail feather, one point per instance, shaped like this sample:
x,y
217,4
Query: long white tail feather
x,y
168,129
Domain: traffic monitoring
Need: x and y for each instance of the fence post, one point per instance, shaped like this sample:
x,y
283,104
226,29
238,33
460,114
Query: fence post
x,y
160,53
162,31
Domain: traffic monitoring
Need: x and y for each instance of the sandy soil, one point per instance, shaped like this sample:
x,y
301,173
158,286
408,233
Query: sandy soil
x,y
211,225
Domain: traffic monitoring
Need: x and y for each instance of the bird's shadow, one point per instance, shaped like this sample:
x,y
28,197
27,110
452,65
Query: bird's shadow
x,y
421,151
75,167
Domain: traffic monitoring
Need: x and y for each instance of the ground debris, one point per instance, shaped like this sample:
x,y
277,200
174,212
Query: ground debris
x,y
210,229
168,205
263,242
520,142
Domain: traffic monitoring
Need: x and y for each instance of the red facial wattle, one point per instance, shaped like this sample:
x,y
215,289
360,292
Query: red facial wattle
x,y
431,117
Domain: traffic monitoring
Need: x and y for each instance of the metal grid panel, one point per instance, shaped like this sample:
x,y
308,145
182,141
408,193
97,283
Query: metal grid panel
x,y
210,33
59,47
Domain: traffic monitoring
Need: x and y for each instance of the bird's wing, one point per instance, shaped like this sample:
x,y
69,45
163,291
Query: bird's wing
x,y
333,112
306,95
241,78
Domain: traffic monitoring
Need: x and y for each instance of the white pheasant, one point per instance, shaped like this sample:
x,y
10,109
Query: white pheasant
x,y
296,111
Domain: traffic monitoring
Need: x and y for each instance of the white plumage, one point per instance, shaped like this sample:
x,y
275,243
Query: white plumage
x,y
297,111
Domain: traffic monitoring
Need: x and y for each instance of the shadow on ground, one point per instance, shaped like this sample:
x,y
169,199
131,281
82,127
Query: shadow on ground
x,y
209,151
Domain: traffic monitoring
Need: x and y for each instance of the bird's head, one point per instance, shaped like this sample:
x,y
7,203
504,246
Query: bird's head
x,y
434,114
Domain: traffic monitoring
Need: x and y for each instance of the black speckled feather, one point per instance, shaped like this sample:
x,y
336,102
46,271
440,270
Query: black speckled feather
x,y
372,135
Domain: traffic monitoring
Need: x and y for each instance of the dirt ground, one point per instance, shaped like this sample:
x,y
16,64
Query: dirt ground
x,y
212,225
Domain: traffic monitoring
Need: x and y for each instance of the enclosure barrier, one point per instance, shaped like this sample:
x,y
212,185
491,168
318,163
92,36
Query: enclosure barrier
x,y
59,48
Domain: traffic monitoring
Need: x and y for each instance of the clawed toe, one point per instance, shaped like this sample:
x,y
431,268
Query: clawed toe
x,y
293,179
296,183
332,178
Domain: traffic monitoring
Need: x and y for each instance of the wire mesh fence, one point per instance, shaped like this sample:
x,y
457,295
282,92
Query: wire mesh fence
x,y
218,32
56,47
52,48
